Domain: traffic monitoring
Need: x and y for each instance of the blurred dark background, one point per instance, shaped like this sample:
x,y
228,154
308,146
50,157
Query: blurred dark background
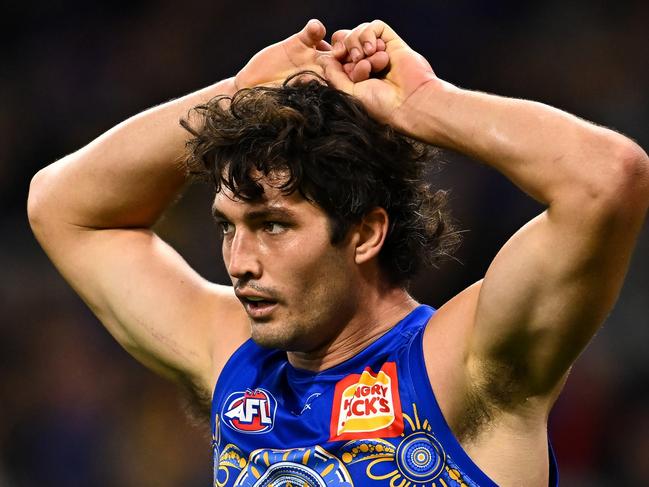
x,y
76,410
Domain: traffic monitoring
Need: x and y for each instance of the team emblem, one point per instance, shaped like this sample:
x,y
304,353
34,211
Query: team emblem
x,y
367,405
252,411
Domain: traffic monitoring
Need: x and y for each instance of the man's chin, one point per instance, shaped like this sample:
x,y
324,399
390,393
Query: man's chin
x,y
274,343
264,336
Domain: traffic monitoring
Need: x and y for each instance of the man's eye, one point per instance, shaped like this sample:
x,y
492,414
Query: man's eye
x,y
274,227
226,227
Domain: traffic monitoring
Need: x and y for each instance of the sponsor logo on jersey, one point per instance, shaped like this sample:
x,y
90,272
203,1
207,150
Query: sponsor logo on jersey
x,y
367,405
251,411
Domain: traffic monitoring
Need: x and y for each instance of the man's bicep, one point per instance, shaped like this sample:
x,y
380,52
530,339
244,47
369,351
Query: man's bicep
x,y
547,292
150,300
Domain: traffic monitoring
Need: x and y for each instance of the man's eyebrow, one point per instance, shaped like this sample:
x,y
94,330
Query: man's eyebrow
x,y
263,213
268,213
217,214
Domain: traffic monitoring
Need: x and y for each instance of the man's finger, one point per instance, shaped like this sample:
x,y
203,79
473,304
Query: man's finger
x,y
383,31
353,43
323,46
377,33
313,32
337,39
361,71
379,61
335,74
367,39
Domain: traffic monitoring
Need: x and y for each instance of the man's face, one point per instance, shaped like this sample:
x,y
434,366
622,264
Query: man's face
x,y
297,288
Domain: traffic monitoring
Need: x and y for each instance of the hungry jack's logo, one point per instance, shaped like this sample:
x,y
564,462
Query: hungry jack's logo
x,y
367,405
252,411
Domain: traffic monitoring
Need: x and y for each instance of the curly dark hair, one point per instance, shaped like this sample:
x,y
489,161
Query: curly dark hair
x,y
335,155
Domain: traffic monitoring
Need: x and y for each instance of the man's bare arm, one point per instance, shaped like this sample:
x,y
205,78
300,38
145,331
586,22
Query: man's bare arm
x,y
92,211
554,282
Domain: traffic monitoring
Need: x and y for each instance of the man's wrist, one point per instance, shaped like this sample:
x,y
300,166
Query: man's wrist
x,y
422,115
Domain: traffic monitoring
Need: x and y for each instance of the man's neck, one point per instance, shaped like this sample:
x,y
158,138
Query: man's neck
x,y
380,312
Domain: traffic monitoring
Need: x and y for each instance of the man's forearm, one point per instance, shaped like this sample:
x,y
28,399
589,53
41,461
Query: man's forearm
x,y
546,152
127,176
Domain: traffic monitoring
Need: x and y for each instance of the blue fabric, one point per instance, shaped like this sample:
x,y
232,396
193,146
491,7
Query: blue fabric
x,y
372,420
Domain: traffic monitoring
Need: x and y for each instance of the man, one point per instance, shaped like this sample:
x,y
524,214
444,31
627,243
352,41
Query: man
x,y
347,381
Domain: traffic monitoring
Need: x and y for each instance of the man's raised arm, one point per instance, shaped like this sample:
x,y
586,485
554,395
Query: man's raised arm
x,y
92,212
554,282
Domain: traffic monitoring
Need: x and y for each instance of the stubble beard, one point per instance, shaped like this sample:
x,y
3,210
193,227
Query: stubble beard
x,y
289,334
272,334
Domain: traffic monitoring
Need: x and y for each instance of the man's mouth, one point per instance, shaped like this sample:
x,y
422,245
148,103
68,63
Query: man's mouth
x,y
257,301
258,306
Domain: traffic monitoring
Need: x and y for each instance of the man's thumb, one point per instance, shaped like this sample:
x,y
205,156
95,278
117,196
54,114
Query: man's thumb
x,y
313,32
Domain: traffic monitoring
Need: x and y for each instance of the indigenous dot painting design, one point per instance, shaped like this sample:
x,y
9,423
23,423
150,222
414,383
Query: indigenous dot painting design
x,y
415,459
303,467
420,457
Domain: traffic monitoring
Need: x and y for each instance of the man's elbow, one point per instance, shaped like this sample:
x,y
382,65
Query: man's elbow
x,y
37,201
622,187
633,175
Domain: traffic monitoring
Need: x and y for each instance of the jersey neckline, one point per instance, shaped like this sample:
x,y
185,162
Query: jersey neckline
x,y
365,356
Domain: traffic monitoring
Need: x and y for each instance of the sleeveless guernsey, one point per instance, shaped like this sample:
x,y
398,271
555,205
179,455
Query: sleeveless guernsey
x,y
370,421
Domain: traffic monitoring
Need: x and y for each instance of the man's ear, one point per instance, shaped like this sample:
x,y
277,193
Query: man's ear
x,y
371,233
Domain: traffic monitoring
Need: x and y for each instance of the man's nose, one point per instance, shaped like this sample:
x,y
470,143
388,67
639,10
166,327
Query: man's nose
x,y
242,257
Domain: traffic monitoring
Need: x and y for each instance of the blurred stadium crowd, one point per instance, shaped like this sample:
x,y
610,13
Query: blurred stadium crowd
x,y
76,410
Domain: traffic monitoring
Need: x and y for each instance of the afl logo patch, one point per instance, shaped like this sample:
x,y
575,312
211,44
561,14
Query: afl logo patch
x,y
251,411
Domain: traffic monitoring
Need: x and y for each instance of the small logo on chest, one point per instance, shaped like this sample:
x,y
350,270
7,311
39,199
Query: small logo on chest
x,y
367,405
251,411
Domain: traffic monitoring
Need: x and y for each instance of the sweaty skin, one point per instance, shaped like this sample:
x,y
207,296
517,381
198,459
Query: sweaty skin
x,y
497,354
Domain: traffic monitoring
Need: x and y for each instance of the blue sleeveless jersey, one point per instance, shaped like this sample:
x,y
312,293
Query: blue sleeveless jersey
x,y
370,421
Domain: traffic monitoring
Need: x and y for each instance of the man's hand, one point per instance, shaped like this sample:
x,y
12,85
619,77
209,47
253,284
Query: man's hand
x,y
375,49
277,62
